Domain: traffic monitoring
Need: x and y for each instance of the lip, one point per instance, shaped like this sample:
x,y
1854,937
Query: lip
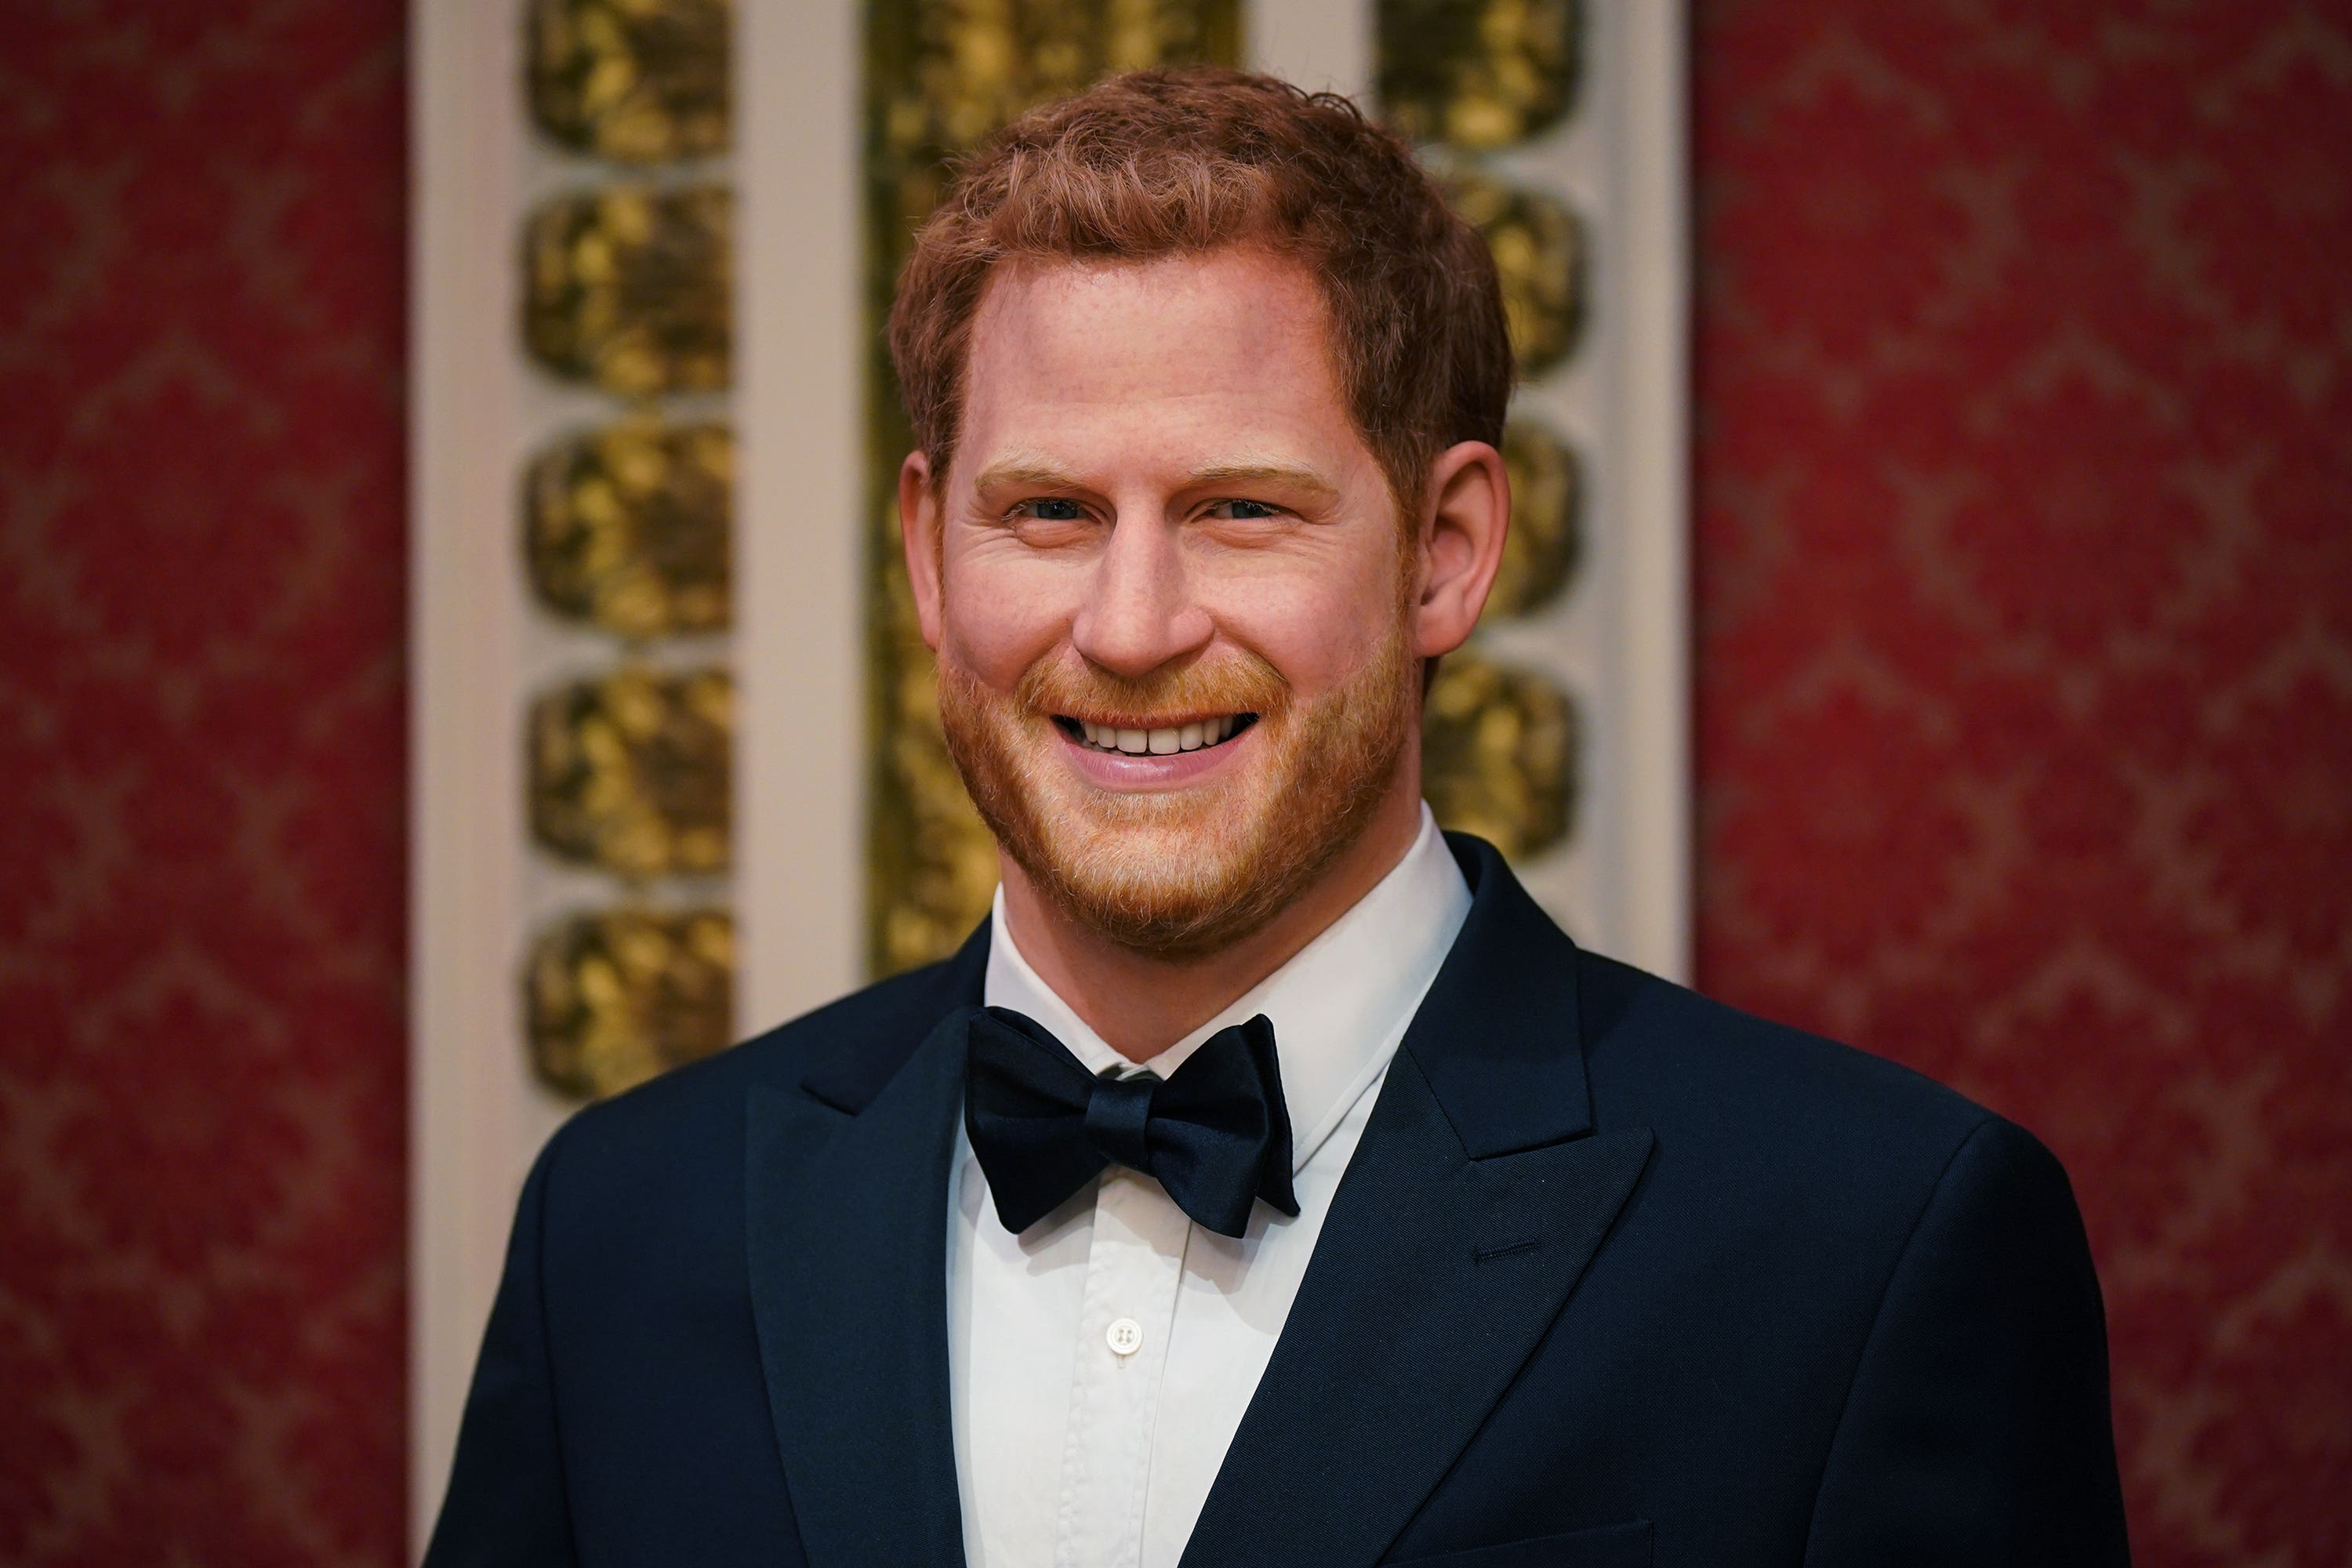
x,y
1120,770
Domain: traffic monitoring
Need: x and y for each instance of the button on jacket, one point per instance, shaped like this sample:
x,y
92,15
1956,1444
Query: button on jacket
x,y
1615,1276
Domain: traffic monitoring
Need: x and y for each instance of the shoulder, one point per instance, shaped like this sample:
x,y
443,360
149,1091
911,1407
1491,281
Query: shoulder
x,y
1669,1050
1771,1124
686,1127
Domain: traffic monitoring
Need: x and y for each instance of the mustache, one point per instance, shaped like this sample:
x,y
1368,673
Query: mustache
x,y
1240,682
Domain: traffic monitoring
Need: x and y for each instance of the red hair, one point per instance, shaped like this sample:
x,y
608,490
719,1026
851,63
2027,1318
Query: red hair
x,y
1176,162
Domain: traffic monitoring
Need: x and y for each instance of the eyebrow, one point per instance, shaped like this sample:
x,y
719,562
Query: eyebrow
x,y
1025,471
1289,476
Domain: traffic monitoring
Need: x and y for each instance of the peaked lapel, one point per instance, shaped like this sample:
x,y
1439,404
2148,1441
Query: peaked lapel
x,y
848,1251
1474,1203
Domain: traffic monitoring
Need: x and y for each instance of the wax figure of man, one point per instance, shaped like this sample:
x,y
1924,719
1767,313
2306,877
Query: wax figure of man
x,y
1268,1181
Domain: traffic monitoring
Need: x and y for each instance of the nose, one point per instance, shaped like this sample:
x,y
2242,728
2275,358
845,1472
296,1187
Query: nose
x,y
1139,611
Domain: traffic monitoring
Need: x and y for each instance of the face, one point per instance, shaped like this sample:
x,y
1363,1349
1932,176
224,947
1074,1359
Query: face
x,y
1173,600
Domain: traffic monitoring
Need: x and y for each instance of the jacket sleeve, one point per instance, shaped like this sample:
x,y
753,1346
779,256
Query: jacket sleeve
x,y
506,1503
1977,1429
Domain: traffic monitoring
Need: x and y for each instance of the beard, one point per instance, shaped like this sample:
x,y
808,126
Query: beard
x,y
1184,872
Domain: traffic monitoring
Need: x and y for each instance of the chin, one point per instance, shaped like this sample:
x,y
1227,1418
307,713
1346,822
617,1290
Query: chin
x,y
1186,880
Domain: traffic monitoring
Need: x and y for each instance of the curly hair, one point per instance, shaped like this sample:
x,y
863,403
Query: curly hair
x,y
1177,163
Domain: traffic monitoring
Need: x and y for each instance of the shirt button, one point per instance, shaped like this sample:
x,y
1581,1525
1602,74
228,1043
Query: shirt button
x,y
1125,1337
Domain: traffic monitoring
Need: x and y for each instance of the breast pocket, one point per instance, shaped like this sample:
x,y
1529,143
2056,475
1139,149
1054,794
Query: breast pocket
x,y
1609,1546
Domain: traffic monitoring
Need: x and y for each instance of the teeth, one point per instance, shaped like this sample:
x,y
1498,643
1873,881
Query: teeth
x,y
1164,742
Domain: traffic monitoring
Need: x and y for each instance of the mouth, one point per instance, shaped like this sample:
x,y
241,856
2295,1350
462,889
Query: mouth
x,y
1155,739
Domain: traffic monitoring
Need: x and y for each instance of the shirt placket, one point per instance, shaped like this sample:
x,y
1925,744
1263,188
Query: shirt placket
x,y
1135,1267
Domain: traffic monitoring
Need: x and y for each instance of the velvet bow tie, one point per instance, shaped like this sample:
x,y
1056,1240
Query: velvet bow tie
x,y
1214,1132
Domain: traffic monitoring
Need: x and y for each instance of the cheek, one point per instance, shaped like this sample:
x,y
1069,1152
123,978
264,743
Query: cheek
x,y
1317,627
999,614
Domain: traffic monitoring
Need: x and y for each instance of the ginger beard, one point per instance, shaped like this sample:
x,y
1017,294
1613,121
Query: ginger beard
x,y
1189,871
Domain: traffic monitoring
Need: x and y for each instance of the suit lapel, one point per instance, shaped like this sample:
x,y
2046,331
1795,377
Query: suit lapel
x,y
1472,1207
848,1242
1476,1199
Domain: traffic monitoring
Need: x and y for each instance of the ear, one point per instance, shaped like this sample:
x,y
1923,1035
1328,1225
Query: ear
x,y
1461,545
919,534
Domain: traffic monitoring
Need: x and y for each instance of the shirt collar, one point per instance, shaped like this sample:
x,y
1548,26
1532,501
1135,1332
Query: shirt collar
x,y
1338,1006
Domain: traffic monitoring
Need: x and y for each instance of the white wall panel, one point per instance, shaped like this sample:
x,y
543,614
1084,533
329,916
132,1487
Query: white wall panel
x,y
799,518
475,1115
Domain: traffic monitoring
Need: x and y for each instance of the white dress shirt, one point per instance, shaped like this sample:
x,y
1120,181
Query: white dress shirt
x,y
1100,1360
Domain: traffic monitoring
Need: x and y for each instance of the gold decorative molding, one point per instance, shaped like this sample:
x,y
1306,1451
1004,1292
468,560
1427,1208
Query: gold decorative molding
x,y
1541,254
636,81
629,771
627,287
1499,754
940,76
1478,74
628,531
629,528
1464,78
927,889
1540,552
617,996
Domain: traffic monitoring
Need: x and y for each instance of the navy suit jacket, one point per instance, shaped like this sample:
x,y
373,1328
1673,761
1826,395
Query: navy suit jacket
x,y
1616,1277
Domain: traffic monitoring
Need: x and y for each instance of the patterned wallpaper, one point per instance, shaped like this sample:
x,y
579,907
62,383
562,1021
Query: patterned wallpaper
x,y
2025,689
201,1092
2024,589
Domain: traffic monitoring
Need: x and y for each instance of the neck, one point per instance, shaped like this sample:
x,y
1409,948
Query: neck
x,y
1143,1003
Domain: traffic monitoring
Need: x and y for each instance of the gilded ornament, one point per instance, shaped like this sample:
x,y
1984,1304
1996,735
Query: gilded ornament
x,y
942,75
1540,256
931,881
1478,74
629,770
636,81
1539,553
627,287
1498,754
619,995
628,527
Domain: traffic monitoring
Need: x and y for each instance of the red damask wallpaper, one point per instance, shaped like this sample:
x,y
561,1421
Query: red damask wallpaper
x,y
2025,707
202,1094
2024,586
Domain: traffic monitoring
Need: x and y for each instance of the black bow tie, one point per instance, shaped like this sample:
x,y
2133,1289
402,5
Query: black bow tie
x,y
1214,1132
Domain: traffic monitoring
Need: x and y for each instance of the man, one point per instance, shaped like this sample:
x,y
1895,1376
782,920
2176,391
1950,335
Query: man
x,y
1268,1180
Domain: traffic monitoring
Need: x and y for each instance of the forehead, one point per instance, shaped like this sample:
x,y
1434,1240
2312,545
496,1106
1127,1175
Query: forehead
x,y
1178,350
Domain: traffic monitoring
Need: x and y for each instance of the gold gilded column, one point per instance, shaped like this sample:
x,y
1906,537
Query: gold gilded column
x,y
1467,78
625,529
939,76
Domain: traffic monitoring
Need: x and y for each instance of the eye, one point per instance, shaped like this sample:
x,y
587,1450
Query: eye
x,y
1243,511
1051,508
